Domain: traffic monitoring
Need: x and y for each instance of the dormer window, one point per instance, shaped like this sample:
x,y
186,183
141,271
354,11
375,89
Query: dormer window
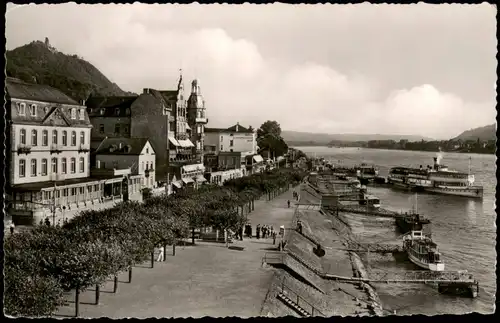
x,y
117,111
102,111
33,110
46,109
127,111
22,108
82,114
73,113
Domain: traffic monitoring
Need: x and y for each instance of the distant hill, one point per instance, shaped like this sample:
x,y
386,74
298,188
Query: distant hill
x,y
324,138
485,133
40,63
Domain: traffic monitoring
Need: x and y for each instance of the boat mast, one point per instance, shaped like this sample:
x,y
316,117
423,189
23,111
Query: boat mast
x,y
470,159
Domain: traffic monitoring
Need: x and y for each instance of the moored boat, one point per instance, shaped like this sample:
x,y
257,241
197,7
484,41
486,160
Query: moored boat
x,y
422,251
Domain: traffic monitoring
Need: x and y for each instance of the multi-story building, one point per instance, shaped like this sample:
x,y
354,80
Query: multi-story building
x,y
142,116
136,154
232,139
48,144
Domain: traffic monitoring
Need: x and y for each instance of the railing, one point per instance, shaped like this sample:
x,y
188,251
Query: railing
x,y
299,300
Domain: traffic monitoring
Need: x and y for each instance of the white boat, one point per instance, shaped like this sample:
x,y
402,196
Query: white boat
x,y
422,251
436,179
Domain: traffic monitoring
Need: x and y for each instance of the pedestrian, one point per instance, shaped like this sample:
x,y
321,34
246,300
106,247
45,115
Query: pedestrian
x,y
250,229
47,222
264,234
12,228
274,238
272,230
258,231
160,256
288,202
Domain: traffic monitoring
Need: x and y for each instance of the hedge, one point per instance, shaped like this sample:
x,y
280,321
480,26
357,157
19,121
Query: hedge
x,y
41,265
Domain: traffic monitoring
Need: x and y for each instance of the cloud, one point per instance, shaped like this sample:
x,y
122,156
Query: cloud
x,y
290,77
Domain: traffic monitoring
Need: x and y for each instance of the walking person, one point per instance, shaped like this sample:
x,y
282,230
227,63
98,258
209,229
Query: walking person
x,y
160,256
274,238
12,228
258,231
288,202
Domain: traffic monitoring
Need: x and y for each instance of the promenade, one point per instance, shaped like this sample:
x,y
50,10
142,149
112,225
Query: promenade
x,y
207,279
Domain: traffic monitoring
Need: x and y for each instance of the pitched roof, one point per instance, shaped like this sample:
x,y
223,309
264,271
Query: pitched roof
x,y
18,89
109,103
241,129
136,145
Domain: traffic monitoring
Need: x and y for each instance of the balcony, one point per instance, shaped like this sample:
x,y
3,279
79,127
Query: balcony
x,y
83,149
55,149
23,150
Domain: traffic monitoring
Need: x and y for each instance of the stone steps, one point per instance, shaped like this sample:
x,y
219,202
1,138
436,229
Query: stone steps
x,y
285,299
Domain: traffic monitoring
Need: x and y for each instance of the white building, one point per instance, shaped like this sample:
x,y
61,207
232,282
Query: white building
x,y
136,154
232,139
48,145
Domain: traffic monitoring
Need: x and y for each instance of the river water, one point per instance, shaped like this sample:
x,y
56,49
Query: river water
x,y
463,228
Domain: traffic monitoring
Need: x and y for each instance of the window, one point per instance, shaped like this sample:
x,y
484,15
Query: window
x,y
54,165
101,129
117,128
73,113
73,138
147,150
231,143
142,167
44,167
152,165
96,187
117,111
64,166
33,167
46,109
82,190
127,111
54,137
82,138
33,110
22,109
221,147
126,129
102,111
22,137
65,138
230,150
82,114
221,138
73,191
45,138
89,189
34,137
65,192
73,165
82,165
22,168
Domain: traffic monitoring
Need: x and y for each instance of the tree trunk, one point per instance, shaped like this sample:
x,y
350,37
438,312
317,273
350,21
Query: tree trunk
x,y
152,259
77,301
253,205
226,240
192,235
97,293
130,274
173,249
217,235
115,286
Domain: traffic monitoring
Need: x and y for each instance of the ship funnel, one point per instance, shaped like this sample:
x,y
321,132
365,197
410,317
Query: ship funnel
x,y
436,163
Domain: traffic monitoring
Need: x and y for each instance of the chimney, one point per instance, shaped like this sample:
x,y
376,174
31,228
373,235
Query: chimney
x,y
145,91
237,126
436,163
83,102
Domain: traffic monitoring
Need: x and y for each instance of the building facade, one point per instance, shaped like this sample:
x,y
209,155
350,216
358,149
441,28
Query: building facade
x,y
143,116
197,120
48,150
135,154
233,139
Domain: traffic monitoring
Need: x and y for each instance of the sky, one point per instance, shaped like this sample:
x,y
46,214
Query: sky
x,y
420,69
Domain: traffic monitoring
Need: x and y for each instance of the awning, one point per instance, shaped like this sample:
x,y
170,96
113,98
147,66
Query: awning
x,y
188,127
258,158
174,141
188,143
177,184
200,179
187,180
191,168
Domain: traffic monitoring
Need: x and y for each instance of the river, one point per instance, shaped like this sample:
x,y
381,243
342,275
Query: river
x,y
463,228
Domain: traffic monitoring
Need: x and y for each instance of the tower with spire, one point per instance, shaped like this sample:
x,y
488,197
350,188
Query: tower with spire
x,y
197,119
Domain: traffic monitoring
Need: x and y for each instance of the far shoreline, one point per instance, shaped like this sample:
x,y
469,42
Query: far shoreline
x,y
425,151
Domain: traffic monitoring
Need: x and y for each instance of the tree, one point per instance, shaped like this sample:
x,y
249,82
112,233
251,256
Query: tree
x,y
269,127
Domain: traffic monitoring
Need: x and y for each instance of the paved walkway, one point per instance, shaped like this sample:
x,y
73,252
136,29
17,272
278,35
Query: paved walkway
x,y
203,280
